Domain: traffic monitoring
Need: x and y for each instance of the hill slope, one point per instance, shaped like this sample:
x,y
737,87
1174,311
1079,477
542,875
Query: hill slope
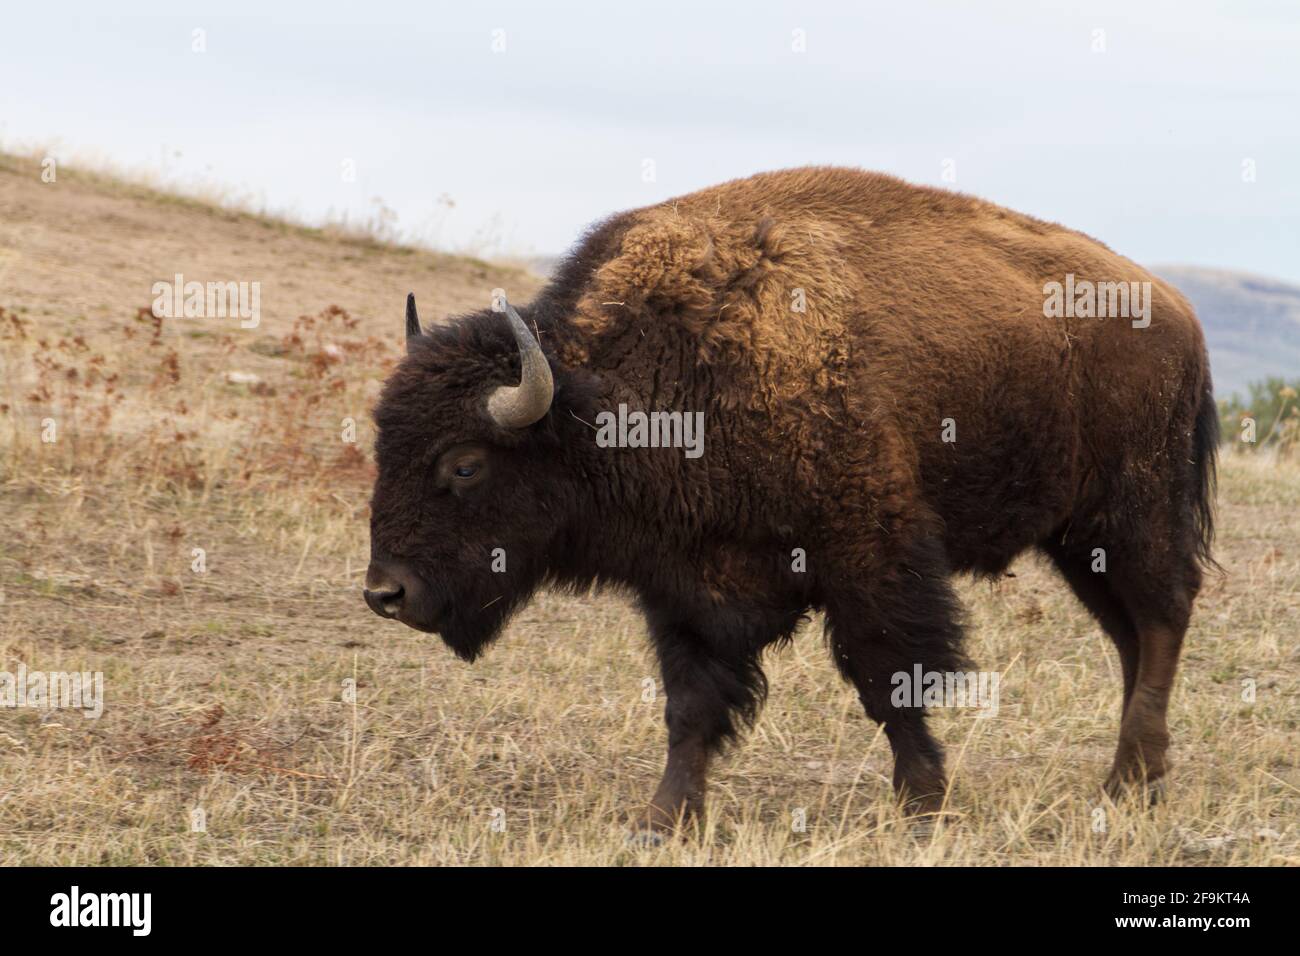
x,y
87,246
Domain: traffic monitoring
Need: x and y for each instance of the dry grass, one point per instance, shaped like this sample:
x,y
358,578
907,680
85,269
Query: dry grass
x,y
265,693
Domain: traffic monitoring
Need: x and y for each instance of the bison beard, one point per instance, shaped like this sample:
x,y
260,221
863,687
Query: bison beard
x,y
885,404
470,632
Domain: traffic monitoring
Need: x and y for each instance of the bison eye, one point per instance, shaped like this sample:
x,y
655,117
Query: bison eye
x,y
461,468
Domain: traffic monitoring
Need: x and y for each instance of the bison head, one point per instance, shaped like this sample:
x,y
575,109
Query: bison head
x,y
473,489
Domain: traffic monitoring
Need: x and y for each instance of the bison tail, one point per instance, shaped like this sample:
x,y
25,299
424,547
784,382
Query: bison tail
x,y
1205,450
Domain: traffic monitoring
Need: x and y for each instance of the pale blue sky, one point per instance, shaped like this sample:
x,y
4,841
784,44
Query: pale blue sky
x,y
1141,145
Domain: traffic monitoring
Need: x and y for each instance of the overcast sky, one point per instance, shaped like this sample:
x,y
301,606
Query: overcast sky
x,y
535,119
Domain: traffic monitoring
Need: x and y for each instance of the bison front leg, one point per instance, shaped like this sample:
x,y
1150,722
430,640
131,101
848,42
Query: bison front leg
x,y
707,695
905,624
679,798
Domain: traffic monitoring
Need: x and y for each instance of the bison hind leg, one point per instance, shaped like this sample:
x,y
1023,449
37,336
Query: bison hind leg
x,y
1096,594
1139,579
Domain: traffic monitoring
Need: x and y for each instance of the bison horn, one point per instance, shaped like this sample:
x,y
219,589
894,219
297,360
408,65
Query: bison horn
x,y
412,320
516,406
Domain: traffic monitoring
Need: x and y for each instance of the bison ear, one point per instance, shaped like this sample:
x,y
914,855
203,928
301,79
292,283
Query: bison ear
x,y
412,321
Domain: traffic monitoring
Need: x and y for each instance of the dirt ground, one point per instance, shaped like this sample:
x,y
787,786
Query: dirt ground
x,y
196,530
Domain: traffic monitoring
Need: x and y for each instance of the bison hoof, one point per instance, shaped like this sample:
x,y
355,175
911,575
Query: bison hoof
x,y
923,803
1150,792
922,828
642,839
652,825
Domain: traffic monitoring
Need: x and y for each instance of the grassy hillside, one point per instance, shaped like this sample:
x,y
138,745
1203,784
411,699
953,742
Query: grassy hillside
x,y
197,531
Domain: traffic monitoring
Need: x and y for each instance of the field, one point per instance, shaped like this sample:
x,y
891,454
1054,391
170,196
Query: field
x,y
185,511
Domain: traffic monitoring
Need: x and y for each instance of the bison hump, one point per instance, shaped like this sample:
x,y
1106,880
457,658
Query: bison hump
x,y
766,290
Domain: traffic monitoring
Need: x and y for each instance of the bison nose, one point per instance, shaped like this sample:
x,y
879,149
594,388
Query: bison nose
x,y
386,601
387,589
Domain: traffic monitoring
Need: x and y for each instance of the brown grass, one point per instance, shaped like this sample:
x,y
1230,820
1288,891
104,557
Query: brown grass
x,y
308,731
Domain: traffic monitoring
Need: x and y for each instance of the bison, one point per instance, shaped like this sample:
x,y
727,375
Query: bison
x,y
891,393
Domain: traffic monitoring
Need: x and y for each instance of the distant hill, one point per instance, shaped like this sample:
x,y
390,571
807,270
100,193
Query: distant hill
x,y
1252,323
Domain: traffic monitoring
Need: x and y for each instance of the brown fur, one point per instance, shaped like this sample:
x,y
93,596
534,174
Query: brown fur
x,y
823,432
